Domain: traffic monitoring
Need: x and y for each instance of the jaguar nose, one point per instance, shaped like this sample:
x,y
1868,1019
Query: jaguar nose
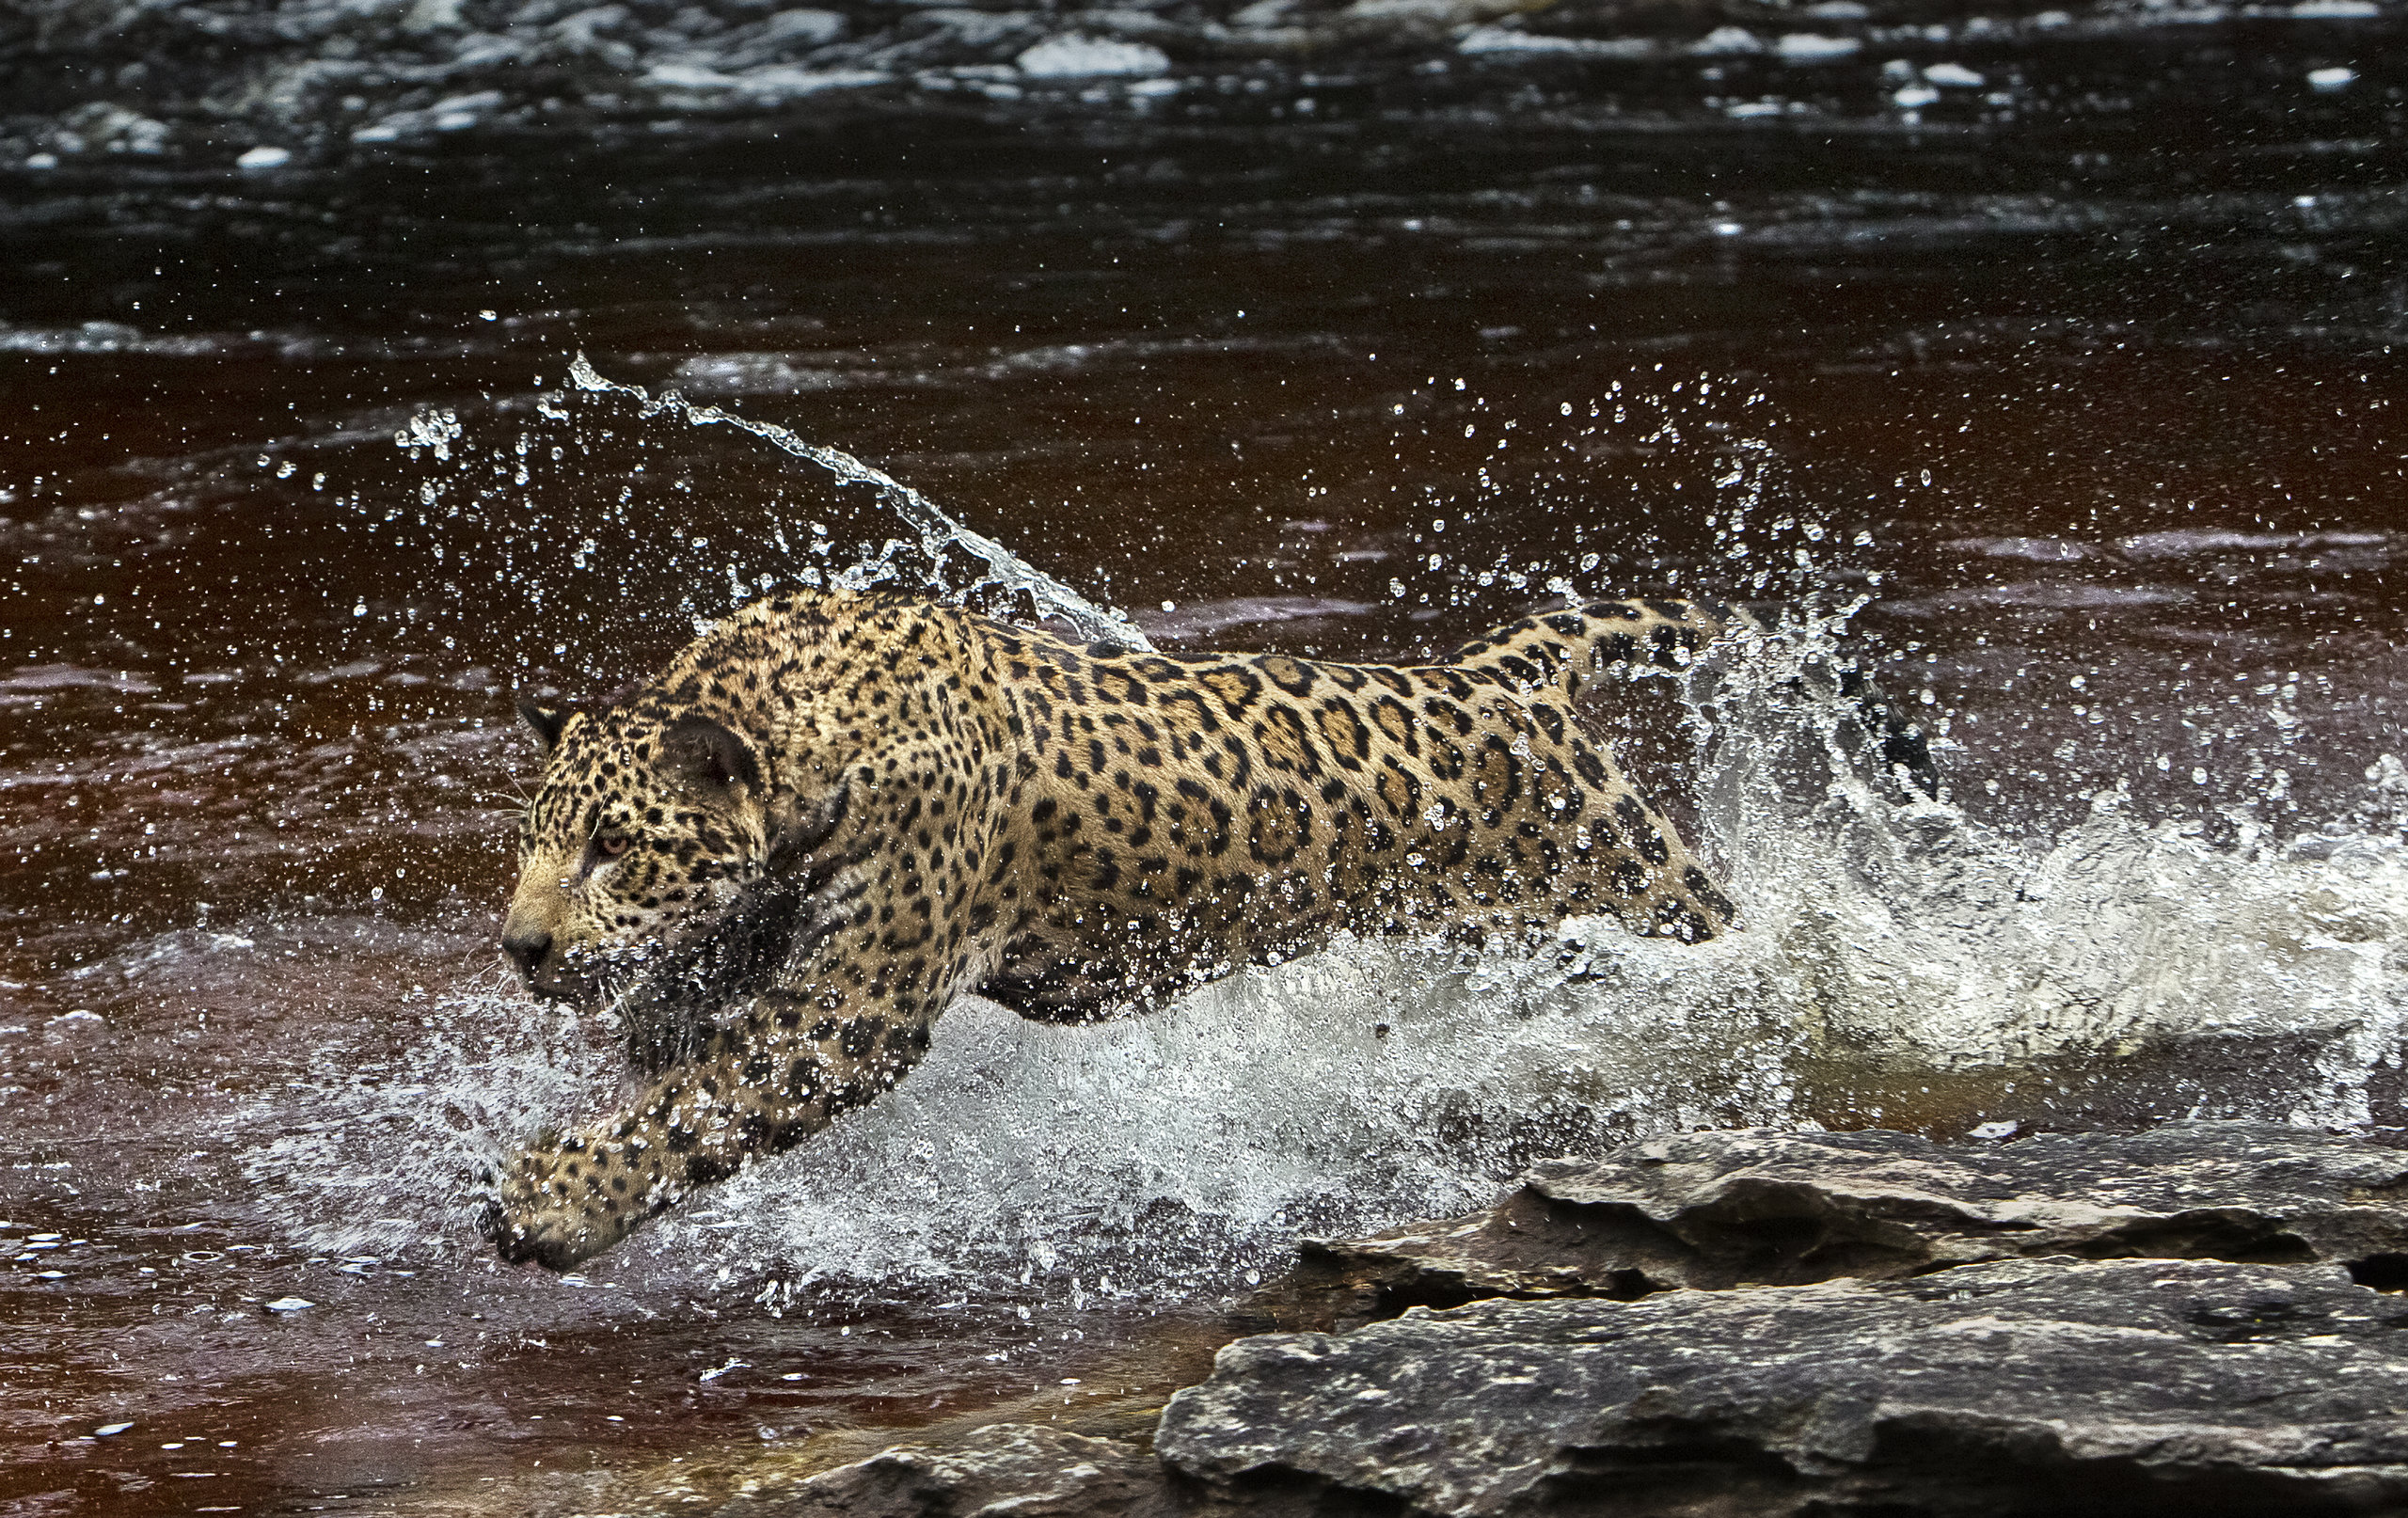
x,y
527,949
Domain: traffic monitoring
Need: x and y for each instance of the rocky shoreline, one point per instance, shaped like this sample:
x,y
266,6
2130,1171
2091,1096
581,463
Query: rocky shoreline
x,y
2195,1319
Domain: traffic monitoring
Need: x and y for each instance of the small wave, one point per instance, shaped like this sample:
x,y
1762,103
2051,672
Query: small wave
x,y
809,371
109,338
2179,544
2031,550
91,338
1503,41
2041,596
35,680
770,85
767,373
1206,619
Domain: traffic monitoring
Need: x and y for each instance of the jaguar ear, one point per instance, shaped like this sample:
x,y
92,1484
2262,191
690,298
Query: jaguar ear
x,y
544,723
711,756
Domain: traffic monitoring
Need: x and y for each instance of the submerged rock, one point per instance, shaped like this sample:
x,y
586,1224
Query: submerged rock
x,y
1759,1206
2022,1387
1022,1469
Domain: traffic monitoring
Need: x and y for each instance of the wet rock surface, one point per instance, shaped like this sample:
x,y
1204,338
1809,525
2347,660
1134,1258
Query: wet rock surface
x,y
1762,1323
1766,1207
1022,1469
2027,1386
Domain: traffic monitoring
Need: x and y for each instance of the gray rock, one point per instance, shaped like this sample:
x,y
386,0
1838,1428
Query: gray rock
x,y
1022,1470
2025,1387
1766,1207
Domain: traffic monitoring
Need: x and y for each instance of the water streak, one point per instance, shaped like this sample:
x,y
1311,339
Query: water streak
x,y
1006,570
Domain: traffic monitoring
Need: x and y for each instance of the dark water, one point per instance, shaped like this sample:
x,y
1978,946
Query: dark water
x,y
2084,377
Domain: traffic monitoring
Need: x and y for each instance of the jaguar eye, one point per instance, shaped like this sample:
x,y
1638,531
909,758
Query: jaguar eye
x,y
612,845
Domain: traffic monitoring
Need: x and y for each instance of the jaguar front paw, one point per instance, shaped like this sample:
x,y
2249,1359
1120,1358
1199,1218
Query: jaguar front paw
x,y
548,1209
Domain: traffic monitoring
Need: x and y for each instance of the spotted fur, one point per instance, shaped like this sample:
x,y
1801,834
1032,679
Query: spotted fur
x,y
834,814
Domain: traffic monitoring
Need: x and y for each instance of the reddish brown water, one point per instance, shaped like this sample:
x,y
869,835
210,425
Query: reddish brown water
x,y
2094,397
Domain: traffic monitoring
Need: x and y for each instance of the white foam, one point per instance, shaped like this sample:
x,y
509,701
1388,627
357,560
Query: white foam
x,y
1073,56
1809,47
1727,39
1504,39
1351,1088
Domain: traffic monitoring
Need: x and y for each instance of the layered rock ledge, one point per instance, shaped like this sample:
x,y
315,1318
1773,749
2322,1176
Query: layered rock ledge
x,y
1764,1207
2190,1320
2030,1387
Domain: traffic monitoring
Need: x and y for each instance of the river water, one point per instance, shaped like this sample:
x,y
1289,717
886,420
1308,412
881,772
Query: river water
x,y
2070,396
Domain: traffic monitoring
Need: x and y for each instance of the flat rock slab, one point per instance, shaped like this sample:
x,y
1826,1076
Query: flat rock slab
x,y
1007,1470
2060,1387
1764,1206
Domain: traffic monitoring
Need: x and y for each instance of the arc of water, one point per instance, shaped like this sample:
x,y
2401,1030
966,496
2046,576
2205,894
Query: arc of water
x,y
937,528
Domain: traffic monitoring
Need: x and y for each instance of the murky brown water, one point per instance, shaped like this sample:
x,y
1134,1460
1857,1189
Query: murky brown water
x,y
2094,396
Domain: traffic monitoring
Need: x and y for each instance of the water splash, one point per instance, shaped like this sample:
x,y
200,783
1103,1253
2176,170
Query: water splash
x,y
1910,936
377,1156
1897,964
939,532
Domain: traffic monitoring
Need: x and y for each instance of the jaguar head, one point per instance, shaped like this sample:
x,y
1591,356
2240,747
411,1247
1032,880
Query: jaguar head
x,y
645,824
